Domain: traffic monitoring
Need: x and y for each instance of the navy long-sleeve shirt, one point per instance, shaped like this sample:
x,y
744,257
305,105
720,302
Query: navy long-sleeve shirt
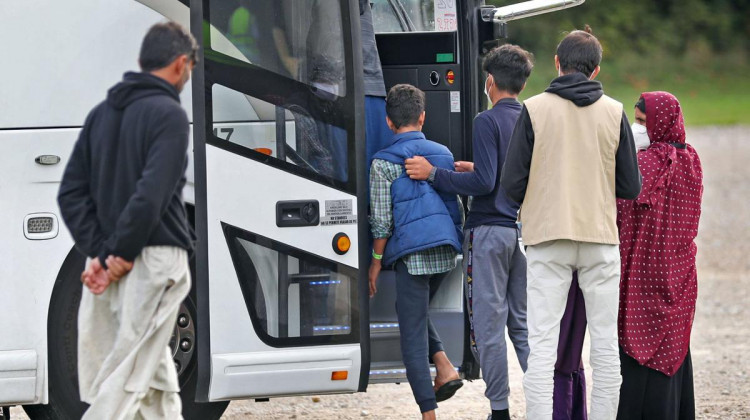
x,y
122,188
490,205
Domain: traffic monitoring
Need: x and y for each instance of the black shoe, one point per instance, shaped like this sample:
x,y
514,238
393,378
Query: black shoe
x,y
499,415
448,389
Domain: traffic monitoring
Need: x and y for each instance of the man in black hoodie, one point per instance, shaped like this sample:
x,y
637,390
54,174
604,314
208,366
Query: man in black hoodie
x,y
121,199
571,154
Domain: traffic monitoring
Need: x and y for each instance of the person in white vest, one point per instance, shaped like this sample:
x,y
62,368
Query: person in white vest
x,y
570,156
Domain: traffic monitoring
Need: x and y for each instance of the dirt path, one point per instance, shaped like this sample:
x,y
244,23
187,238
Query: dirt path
x,y
721,338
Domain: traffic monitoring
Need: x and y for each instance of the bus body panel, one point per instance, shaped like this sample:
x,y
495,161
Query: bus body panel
x,y
84,57
77,54
29,267
286,372
78,49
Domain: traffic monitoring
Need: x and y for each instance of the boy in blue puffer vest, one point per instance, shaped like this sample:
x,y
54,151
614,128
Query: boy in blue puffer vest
x,y
419,230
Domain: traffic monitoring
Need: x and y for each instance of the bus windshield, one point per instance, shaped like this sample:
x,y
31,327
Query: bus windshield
x,y
414,15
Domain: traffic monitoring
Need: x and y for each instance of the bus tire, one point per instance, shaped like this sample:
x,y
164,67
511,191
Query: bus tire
x,y
62,338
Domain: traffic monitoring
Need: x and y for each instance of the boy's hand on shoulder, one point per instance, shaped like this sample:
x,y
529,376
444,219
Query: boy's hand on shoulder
x,y
463,166
418,168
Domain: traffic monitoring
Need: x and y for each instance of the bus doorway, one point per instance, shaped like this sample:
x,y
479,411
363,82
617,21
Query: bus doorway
x,y
423,43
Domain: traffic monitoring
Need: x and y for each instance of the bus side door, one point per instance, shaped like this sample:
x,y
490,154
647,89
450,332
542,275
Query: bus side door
x,y
279,164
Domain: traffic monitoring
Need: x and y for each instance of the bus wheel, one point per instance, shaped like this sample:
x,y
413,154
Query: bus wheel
x,y
62,340
184,352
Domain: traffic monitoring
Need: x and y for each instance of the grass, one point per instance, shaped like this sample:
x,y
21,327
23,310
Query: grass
x,y
712,94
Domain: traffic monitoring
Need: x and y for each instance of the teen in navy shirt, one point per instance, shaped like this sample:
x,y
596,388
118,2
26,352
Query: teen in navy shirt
x,y
494,264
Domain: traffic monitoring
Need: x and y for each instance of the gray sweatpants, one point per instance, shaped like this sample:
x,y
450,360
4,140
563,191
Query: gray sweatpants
x,y
495,271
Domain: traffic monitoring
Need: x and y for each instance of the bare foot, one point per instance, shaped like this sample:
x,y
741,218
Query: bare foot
x,y
445,370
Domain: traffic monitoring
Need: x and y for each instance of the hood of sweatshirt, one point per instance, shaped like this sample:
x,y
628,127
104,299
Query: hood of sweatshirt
x,y
577,88
135,86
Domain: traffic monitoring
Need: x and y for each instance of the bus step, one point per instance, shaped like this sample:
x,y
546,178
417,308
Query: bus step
x,y
385,343
382,328
387,372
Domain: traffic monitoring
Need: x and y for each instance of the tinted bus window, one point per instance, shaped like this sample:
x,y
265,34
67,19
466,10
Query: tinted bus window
x,y
277,71
291,38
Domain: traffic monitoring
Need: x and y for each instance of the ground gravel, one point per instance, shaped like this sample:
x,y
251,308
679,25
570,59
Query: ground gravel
x,y
721,338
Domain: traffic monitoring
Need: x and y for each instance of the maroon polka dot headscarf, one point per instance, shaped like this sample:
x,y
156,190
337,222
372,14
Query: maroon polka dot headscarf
x,y
659,283
664,122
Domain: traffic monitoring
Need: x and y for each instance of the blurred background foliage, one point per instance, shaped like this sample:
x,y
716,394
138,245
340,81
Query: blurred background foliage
x,y
696,49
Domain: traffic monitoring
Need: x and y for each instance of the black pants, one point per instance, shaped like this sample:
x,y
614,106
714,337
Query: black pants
x,y
419,339
649,394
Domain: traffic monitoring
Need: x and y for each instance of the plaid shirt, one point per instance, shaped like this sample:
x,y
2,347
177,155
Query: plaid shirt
x,y
430,261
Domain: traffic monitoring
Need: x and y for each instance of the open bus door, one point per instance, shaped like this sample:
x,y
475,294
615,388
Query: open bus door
x,y
279,167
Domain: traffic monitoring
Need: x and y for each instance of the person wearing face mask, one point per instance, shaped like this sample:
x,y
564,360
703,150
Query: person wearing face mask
x,y
640,134
121,199
494,263
570,156
658,289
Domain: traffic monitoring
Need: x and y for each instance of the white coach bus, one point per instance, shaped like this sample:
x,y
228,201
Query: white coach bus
x,y
276,186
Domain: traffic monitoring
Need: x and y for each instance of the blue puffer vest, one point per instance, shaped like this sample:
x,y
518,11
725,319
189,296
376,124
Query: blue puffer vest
x,y
422,217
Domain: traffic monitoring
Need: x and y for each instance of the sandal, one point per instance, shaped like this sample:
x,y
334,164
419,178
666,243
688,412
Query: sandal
x,y
448,389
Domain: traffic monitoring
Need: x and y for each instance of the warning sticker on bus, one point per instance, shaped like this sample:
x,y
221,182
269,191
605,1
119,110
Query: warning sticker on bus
x,y
339,212
445,15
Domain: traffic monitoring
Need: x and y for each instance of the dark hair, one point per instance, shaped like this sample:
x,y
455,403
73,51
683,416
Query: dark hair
x,y
510,66
641,104
163,43
404,104
579,51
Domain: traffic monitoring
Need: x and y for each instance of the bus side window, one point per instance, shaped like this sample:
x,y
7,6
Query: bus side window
x,y
289,293
310,141
295,49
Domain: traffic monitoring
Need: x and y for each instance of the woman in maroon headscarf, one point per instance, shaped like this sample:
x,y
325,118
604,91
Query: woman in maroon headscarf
x,y
658,289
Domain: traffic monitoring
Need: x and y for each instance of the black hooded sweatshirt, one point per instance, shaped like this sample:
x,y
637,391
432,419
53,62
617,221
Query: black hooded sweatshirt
x,y
122,188
577,88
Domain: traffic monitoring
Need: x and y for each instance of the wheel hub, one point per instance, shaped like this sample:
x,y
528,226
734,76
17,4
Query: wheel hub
x,y
182,342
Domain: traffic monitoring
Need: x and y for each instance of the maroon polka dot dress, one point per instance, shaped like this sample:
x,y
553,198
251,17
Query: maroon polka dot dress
x,y
658,288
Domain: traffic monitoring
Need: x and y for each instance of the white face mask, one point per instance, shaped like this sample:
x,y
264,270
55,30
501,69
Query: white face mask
x,y
640,136
486,92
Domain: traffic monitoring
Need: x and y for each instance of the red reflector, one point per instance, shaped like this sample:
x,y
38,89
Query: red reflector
x,y
450,77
